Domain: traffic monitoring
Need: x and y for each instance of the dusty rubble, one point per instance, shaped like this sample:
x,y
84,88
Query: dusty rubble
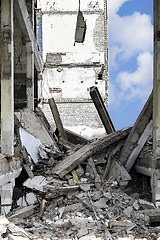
x,y
76,191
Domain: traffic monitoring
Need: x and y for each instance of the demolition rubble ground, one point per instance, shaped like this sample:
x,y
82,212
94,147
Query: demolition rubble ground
x,y
76,191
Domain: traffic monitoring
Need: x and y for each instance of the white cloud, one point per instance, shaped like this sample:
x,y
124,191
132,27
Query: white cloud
x,y
137,84
129,36
114,6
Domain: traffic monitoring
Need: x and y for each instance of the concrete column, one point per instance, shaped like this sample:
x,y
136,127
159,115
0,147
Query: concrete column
x,y
30,60
156,83
30,75
7,77
155,179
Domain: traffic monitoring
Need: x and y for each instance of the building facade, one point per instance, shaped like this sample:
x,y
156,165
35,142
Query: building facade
x,y
74,47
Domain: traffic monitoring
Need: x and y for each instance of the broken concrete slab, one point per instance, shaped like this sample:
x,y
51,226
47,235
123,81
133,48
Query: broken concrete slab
x,y
119,173
87,150
75,138
23,212
136,132
33,125
142,140
101,109
57,191
36,183
31,144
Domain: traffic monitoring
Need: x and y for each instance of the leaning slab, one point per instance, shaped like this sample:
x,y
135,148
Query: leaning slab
x,y
24,212
34,125
128,155
87,150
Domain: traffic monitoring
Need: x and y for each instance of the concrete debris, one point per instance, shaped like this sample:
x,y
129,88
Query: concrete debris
x,y
137,131
102,111
36,183
9,231
23,212
87,150
75,191
34,126
117,226
119,173
31,144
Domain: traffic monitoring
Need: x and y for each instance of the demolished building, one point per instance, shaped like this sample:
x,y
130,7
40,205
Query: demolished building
x,y
20,66
64,186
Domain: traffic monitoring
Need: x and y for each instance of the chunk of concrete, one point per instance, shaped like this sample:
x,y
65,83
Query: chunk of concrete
x,y
101,203
82,232
33,125
36,183
24,212
31,143
72,161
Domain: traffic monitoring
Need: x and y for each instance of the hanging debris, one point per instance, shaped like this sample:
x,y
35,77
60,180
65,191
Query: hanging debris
x,y
80,27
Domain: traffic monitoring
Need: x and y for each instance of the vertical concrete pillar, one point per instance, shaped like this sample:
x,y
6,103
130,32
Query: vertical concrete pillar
x,y
7,96
30,61
30,75
155,180
7,77
156,82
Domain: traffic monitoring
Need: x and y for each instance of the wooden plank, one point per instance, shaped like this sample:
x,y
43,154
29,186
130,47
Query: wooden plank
x,y
87,150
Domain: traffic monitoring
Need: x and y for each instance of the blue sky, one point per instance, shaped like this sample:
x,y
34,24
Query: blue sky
x,y
130,43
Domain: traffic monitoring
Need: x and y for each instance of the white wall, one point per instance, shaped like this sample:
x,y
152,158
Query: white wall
x,y
72,68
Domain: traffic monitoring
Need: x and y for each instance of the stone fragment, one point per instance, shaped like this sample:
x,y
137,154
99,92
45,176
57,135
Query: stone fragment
x,y
84,186
61,211
127,211
80,171
96,195
82,232
90,236
107,195
146,204
101,203
135,205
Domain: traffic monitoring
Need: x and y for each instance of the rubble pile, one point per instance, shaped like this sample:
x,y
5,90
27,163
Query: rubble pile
x,y
76,191
81,208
